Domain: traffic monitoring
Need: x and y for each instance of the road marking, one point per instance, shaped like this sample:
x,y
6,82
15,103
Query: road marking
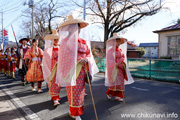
x,y
140,89
18,103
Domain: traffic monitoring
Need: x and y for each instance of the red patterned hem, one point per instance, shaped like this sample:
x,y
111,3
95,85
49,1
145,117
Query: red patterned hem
x,y
35,80
115,93
55,98
76,111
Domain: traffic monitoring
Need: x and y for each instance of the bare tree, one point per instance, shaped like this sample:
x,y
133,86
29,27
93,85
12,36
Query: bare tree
x,y
116,15
44,14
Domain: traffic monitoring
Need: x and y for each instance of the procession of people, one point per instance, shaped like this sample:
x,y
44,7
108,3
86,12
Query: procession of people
x,y
67,61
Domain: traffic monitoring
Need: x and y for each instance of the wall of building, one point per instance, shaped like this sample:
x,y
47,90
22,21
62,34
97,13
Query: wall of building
x,y
133,54
151,52
163,41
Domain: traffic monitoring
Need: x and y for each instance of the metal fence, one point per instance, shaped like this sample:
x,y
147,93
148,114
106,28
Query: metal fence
x,y
165,70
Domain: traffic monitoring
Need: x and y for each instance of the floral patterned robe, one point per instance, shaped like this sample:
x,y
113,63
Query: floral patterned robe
x,y
118,90
54,88
34,73
75,94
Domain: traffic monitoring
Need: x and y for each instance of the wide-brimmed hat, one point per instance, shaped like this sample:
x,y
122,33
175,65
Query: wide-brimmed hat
x,y
71,20
115,36
52,36
27,39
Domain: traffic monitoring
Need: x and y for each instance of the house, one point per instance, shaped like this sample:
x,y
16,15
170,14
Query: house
x,y
151,50
169,41
131,52
11,44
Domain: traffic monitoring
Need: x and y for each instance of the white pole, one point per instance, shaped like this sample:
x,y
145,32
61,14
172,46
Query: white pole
x,y
2,32
31,5
84,10
32,22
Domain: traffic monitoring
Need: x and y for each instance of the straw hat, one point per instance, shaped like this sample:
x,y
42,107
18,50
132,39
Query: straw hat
x,y
71,20
115,36
27,39
52,36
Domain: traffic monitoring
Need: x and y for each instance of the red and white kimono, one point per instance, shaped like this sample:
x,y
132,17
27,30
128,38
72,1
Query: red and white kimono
x,y
118,89
54,88
34,73
75,93
50,58
117,72
71,72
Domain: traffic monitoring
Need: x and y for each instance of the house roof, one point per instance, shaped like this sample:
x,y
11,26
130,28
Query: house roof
x,y
170,28
98,44
148,45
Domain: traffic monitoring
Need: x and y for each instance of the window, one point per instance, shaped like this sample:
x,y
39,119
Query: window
x,y
174,45
178,40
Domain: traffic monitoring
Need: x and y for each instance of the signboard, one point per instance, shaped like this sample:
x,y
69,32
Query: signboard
x,y
6,39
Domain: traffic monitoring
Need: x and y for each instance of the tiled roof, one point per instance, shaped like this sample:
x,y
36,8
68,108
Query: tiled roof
x,y
98,44
173,27
148,45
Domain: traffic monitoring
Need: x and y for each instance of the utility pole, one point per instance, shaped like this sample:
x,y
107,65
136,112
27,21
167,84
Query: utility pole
x,y
2,32
84,10
31,5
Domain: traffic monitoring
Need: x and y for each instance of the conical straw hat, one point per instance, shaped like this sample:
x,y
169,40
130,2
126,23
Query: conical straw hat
x,y
52,36
71,20
115,36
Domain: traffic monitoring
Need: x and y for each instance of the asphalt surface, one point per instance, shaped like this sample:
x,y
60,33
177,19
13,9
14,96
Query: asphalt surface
x,y
144,100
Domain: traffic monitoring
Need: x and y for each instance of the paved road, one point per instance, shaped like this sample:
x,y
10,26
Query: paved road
x,y
145,99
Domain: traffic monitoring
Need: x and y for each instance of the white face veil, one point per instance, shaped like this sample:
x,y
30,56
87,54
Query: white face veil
x,y
84,34
123,47
46,61
67,60
67,56
111,64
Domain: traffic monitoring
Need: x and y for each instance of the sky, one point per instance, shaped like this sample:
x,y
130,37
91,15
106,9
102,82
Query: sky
x,y
140,33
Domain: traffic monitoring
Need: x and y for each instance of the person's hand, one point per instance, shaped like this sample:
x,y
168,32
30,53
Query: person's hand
x,y
84,61
56,57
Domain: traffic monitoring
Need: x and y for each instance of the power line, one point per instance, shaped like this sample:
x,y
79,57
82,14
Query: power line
x,y
11,4
13,10
3,3
19,5
19,15
14,20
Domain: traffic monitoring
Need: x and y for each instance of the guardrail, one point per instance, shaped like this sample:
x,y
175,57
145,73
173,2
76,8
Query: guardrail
x,y
159,69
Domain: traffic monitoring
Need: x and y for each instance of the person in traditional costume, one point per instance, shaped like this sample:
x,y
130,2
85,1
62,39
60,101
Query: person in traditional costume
x,y
6,62
34,73
117,72
13,60
1,61
22,63
50,58
75,61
